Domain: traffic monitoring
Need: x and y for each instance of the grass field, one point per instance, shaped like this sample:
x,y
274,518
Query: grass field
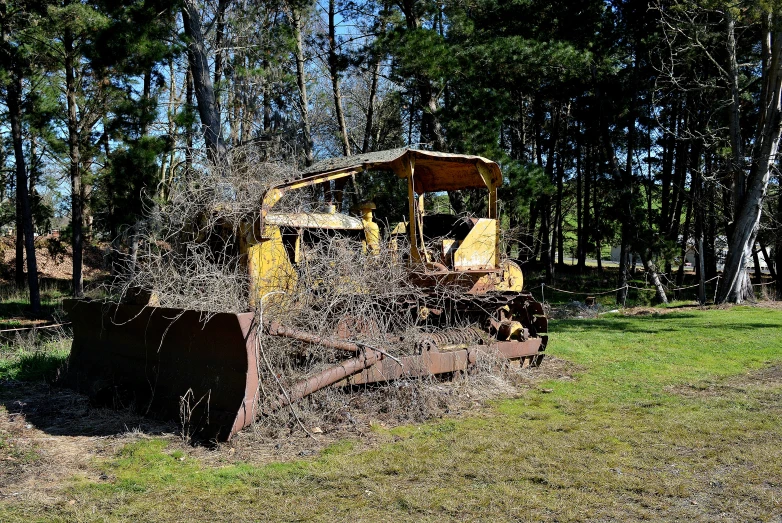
x,y
674,416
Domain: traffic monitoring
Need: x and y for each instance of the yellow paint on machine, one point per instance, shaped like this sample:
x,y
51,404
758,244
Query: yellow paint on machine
x,y
269,267
477,250
312,220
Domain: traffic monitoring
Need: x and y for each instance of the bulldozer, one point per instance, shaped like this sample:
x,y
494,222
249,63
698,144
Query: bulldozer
x,y
175,363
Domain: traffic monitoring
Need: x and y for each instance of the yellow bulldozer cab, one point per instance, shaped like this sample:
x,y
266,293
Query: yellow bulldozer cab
x,y
464,248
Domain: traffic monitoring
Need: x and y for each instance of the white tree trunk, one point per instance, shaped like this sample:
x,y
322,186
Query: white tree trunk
x,y
301,81
736,286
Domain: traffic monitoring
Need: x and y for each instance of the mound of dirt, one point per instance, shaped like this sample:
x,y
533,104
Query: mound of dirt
x,y
55,258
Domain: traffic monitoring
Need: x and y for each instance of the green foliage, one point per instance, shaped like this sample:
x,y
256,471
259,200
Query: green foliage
x,y
389,193
56,248
7,212
523,184
133,175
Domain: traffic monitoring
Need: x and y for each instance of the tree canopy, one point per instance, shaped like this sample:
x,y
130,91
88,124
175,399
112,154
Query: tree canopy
x,y
650,126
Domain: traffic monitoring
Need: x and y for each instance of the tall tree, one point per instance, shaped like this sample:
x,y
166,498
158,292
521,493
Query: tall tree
x,y
202,81
334,72
301,80
751,181
16,19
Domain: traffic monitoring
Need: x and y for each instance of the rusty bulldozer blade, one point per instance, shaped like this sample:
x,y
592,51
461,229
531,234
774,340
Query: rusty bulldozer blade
x,y
154,359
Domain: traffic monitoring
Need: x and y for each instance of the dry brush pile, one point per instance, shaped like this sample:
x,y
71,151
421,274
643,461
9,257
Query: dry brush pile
x,y
187,257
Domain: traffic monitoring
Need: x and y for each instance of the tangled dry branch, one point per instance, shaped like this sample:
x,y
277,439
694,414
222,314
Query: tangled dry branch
x,y
185,255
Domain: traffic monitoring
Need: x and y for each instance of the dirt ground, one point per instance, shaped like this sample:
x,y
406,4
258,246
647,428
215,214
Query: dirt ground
x,y
54,263
49,435
769,377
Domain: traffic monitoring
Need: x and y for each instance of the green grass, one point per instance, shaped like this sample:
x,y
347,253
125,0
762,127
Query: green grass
x,y
36,363
27,355
663,422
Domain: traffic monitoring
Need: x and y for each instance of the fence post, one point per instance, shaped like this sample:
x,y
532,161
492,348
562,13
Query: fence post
x,y
716,287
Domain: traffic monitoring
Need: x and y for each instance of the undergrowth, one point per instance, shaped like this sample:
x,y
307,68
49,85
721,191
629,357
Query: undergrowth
x,y
34,356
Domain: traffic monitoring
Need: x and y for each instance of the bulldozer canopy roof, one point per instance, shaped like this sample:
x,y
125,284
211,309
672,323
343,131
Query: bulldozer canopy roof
x,y
434,171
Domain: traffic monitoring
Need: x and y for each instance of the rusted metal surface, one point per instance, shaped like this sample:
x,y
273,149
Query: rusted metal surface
x,y
451,338
517,349
327,378
435,171
429,363
149,358
275,329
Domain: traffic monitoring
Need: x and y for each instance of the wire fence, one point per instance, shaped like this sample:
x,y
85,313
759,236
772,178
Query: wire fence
x,y
588,294
543,286
35,327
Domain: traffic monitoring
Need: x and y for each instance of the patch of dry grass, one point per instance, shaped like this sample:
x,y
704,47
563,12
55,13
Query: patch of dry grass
x,y
623,438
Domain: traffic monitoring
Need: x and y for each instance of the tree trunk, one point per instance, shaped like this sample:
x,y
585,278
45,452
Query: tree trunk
x,y
559,218
586,230
596,229
167,163
371,106
651,270
134,245
734,118
19,261
769,262
545,238
301,81
189,132
530,249
756,263
778,244
666,172
701,273
735,285
579,207
621,294
682,155
334,73
14,103
430,130
222,5
685,238
77,208
626,213
710,232
267,103
202,82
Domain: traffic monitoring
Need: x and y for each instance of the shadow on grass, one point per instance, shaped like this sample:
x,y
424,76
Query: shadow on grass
x,y
28,388
63,412
651,324
13,311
